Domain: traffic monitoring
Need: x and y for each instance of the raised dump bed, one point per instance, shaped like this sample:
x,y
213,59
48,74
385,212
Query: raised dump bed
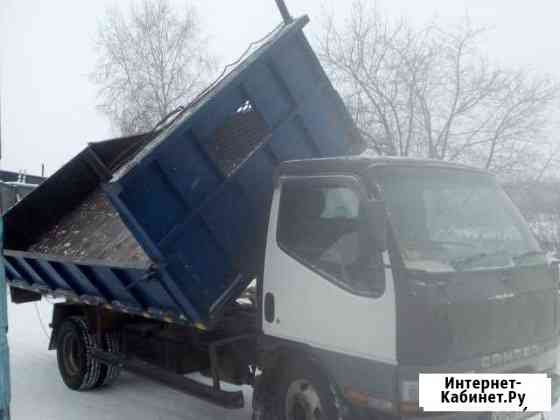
x,y
172,224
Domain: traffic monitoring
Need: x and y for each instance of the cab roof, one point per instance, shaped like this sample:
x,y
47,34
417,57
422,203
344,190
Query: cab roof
x,y
357,164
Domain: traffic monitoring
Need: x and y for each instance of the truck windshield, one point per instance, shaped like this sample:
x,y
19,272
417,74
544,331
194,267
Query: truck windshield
x,y
454,220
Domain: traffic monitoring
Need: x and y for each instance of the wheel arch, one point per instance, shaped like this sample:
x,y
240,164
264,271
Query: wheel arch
x,y
280,355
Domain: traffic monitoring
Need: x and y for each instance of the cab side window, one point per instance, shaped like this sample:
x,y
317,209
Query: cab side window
x,y
323,225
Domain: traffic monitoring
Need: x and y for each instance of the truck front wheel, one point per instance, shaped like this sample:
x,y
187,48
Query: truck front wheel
x,y
306,394
79,370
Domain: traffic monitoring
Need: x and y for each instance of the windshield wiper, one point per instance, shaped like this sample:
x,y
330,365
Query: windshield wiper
x,y
459,262
527,254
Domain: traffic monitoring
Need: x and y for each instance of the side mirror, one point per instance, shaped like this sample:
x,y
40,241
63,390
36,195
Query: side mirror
x,y
554,265
377,222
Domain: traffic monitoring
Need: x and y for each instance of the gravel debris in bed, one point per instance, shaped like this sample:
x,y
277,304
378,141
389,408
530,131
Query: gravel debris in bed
x,y
93,230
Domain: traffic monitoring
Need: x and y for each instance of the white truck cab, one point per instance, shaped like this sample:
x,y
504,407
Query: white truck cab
x,y
377,270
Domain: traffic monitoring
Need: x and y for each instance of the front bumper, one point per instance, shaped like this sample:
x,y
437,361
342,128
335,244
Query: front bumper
x,y
478,416
555,389
454,416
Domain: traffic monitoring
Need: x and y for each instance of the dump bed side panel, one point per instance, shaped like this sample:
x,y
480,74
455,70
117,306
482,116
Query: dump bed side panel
x,y
130,288
204,222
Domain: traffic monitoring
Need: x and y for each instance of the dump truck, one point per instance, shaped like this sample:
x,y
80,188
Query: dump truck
x,y
249,240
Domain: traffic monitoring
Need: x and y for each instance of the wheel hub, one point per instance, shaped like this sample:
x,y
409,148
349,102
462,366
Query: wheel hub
x,y
71,350
303,402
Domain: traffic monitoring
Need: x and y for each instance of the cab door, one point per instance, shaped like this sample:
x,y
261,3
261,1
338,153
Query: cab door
x,y
325,285
4,350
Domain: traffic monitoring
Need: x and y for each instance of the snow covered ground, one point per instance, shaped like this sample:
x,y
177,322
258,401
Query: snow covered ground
x,y
38,391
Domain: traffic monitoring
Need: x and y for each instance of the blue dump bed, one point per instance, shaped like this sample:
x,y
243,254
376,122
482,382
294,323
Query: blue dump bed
x,y
171,224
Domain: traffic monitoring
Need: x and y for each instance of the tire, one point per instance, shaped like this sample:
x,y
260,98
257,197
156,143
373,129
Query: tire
x,y
78,369
265,398
109,374
306,394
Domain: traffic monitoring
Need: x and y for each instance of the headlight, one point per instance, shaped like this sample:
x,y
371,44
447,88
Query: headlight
x,y
409,391
410,395
362,399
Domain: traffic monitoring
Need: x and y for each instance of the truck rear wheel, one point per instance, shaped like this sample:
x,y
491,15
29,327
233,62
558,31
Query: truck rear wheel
x,y
305,394
76,365
109,374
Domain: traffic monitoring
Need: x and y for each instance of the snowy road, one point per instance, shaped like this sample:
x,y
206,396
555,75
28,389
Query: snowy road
x,y
38,391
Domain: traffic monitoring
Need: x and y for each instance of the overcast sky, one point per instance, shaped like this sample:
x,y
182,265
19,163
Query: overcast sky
x,y
46,50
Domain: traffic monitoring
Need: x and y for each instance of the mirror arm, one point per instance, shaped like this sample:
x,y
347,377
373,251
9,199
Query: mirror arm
x,y
378,223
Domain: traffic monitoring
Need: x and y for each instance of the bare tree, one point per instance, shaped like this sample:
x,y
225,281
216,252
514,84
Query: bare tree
x,y
539,202
150,61
430,92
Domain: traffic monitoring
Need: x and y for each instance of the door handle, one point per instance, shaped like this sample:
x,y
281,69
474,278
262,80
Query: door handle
x,y
269,308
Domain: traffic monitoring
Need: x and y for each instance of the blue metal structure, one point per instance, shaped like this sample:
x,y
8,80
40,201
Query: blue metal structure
x,y
4,349
195,200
